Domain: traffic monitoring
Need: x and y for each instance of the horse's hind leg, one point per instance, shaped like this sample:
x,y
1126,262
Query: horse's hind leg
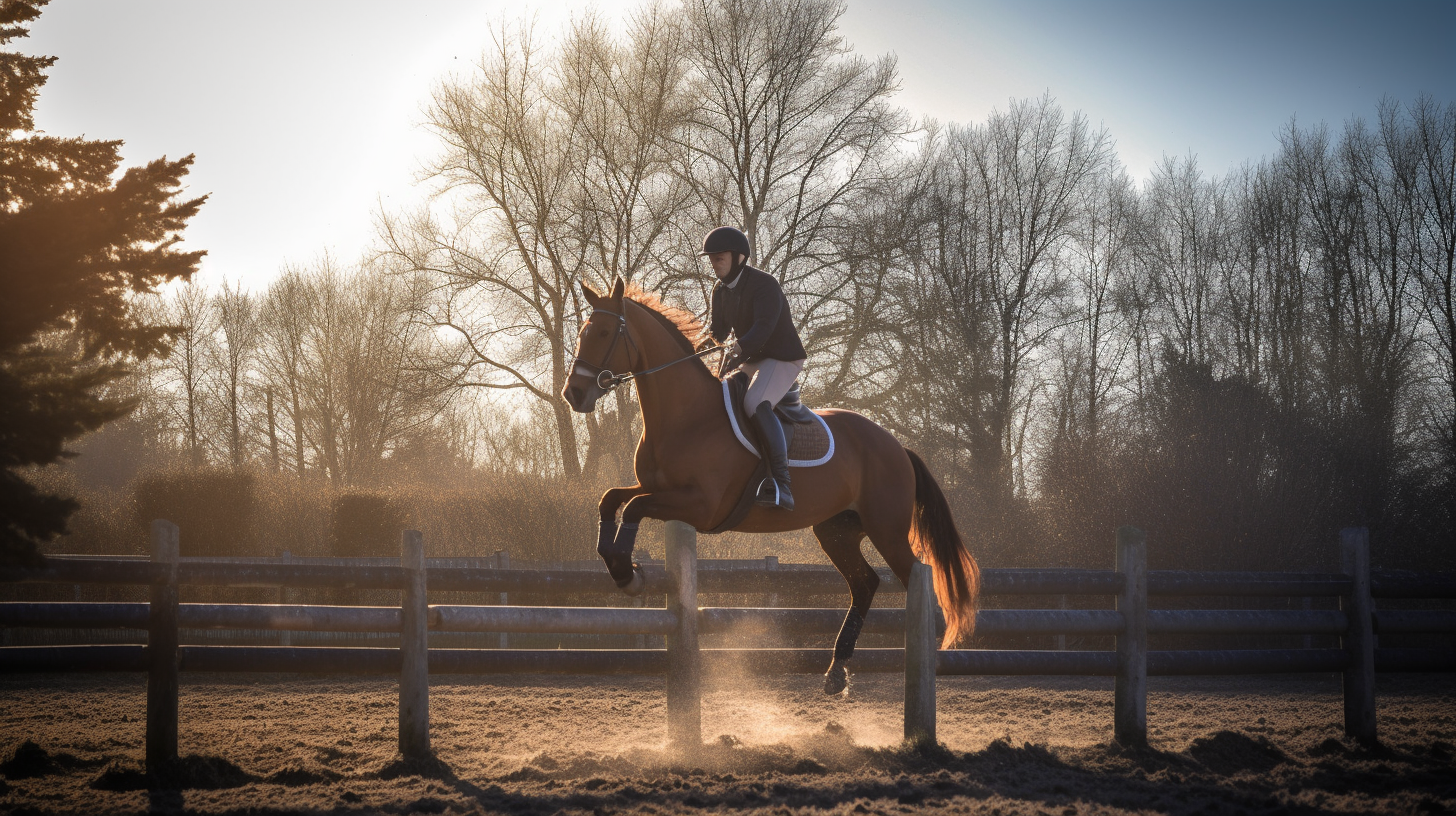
x,y
840,537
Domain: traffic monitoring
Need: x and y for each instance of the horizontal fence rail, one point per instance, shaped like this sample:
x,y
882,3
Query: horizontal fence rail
x,y
713,620
681,578
364,660
795,580
552,619
1250,584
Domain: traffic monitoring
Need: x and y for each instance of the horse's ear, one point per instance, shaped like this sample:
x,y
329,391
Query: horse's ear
x,y
619,287
592,296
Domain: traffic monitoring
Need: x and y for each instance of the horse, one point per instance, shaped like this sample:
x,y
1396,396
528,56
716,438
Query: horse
x,y
691,468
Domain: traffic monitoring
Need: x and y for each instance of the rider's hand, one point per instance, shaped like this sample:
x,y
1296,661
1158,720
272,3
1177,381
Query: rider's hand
x,y
730,361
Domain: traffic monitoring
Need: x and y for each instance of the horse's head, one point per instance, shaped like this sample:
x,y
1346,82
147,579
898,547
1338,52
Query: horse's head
x,y
601,348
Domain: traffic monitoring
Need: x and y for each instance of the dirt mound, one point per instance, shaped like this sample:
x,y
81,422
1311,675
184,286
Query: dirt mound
x,y
1229,752
296,777
187,773
28,761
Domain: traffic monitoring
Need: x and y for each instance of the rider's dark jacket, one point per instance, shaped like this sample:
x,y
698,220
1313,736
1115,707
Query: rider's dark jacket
x,y
754,308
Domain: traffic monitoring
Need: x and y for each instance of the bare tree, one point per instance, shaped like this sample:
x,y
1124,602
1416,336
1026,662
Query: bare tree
x,y
283,325
232,362
389,390
1103,263
1027,170
1434,134
622,96
790,134
558,176
184,370
1188,222
947,320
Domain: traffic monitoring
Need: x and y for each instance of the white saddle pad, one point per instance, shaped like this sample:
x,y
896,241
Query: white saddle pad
x,y
799,463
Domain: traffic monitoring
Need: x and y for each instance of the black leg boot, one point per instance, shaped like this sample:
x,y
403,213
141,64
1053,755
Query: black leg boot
x,y
773,491
614,545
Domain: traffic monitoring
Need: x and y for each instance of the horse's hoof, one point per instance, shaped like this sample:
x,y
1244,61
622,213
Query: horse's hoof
x,y
836,680
636,584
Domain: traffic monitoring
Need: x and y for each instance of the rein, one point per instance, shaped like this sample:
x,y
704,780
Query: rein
x,y
606,380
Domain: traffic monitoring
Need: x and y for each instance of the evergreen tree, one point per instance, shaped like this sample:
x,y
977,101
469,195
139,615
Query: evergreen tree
x,y
76,241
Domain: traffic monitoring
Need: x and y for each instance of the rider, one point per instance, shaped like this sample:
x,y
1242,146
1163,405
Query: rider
x,y
751,304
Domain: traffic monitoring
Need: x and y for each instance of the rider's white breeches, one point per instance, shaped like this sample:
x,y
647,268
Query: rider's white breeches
x,y
772,379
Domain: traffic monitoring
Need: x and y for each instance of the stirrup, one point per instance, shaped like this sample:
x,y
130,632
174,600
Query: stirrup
x,y
778,497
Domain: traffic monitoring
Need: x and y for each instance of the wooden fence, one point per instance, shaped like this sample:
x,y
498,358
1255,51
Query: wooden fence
x,y
681,580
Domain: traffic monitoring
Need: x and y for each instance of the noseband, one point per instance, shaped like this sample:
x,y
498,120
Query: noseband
x,y
604,377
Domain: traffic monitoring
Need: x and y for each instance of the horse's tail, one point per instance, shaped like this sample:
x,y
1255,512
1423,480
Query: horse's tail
x,y
937,542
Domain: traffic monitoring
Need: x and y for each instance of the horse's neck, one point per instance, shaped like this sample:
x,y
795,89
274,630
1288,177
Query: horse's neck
x,y
677,398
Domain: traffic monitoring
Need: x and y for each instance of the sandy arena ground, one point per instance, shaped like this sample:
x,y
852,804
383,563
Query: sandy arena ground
x,y
577,745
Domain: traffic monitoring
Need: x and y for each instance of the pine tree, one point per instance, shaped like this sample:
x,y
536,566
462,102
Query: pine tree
x,y
76,242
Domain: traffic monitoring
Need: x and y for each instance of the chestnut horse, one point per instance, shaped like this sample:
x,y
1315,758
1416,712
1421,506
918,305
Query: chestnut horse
x,y
691,468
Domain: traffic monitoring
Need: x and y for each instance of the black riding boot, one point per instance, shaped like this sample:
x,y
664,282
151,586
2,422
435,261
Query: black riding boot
x,y
773,491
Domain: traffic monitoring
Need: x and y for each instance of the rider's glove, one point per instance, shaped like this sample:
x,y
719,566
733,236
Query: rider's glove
x,y
731,360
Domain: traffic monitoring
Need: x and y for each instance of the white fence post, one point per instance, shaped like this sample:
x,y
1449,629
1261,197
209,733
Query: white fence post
x,y
684,661
1359,639
1130,689
920,656
162,652
414,676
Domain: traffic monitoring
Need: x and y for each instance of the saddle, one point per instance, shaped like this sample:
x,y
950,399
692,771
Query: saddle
x,y
809,440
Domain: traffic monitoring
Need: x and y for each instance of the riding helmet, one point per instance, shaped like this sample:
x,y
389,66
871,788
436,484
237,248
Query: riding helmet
x,y
726,239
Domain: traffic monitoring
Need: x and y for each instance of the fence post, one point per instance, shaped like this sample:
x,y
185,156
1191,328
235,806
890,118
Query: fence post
x,y
1062,636
285,637
414,677
771,563
1307,603
503,561
1359,639
684,665
920,656
1130,690
162,652
641,639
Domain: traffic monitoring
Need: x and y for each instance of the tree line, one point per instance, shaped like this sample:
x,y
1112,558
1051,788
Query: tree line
x,y
1241,363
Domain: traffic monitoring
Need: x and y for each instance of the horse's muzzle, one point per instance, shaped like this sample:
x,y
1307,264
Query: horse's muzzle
x,y
581,400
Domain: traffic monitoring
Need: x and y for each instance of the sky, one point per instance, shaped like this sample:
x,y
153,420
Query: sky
x,y
305,115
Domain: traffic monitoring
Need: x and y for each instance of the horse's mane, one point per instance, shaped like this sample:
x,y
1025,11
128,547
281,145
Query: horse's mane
x,y
685,325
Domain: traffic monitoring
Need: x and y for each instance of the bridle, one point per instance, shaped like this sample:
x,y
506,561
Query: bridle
x,y
604,377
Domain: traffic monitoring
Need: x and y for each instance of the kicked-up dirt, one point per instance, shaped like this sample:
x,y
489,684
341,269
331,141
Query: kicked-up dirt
x,y
588,745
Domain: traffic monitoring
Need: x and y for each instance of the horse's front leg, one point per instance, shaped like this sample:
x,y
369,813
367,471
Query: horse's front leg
x,y
684,504
618,556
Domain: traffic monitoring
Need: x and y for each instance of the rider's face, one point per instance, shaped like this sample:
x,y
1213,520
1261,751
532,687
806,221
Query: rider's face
x,y
722,264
